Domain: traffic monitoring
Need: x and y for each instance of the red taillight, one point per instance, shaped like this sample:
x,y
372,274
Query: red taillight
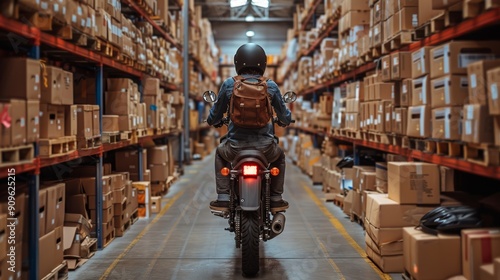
x,y
249,170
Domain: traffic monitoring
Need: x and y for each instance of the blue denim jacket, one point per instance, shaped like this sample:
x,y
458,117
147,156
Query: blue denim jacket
x,y
244,137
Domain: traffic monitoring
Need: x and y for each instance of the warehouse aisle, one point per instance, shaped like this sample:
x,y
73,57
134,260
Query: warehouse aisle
x,y
185,241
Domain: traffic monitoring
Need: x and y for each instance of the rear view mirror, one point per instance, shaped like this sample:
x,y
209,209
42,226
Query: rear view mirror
x,y
209,96
289,97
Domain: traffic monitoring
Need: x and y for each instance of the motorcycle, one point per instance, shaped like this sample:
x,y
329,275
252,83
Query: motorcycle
x,y
249,214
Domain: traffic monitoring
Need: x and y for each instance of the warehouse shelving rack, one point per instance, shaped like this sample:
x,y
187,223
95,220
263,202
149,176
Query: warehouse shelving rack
x,y
37,41
481,21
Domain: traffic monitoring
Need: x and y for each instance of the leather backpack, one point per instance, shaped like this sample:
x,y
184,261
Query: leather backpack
x,y
250,105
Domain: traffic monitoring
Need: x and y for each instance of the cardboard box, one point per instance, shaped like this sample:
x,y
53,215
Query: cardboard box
x,y
117,103
389,115
143,191
71,120
477,124
419,120
407,19
96,124
443,4
110,123
152,87
383,212
401,65
400,122
447,123
394,248
42,213
432,256
384,91
84,114
156,204
405,97
449,90
127,123
388,264
497,268
107,213
420,62
20,78
425,13
455,56
51,88
367,181
386,68
15,134
128,161
52,121
493,84
50,244
421,91
55,206
158,154
152,114
479,246
159,172
476,73
447,179
83,225
487,272
413,182
32,121
383,235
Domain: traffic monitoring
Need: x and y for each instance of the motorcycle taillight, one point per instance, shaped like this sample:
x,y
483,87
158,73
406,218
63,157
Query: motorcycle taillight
x,y
250,170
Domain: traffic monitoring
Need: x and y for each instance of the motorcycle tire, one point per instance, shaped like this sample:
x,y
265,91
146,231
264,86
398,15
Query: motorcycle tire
x,y
250,242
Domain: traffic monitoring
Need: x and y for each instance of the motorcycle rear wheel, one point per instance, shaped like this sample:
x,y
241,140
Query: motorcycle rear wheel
x,y
250,242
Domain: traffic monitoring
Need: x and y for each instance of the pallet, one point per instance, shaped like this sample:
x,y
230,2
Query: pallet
x,y
126,135
141,133
491,4
119,232
109,238
127,60
377,52
112,51
401,39
89,143
453,15
395,140
145,7
17,155
418,144
449,148
433,26
356,219
140,67
58,273
329,197
339,200
92,247
378,138
482,154
110,137
49,148
74,35
134,217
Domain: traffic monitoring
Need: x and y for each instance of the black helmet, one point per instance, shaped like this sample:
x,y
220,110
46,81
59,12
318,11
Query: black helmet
x,y
450,220
252,56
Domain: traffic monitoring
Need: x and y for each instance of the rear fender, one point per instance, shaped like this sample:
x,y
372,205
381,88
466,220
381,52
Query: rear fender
x,y
250,188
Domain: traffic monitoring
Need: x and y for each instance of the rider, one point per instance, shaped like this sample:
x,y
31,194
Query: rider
x,y
250,61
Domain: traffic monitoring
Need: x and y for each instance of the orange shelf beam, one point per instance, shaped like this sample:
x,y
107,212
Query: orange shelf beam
x,y
309,15
319,39
19,168
470,25
342,78
141,12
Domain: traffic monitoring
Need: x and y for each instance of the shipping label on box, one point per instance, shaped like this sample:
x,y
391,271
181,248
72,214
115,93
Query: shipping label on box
x,y
420,62
476,73
420,92
447,123
413,183
493,86
419,121
450,90
477,124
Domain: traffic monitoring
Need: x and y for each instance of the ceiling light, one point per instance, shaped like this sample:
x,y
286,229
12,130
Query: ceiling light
x,y
261,3
250,33
237,3
249,18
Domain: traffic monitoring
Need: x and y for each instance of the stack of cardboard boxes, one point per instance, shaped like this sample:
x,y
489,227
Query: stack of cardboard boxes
x,y
122,103
20,104
143,198
160,163
493,84
122,208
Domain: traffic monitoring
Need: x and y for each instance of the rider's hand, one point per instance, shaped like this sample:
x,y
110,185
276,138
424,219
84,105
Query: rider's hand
x,y
219,124
281,124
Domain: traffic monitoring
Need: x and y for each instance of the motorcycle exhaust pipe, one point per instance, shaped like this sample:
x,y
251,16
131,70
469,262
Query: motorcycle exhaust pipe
x,y
278,223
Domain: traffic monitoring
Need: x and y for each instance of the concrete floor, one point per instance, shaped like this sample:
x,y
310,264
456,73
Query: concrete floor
x,y
185,241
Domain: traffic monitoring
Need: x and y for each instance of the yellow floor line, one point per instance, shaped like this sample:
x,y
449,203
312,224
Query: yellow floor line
x,y
140,235
340,228
330,260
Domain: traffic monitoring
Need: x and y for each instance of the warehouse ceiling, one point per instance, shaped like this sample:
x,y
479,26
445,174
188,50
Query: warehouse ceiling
x,y
269,25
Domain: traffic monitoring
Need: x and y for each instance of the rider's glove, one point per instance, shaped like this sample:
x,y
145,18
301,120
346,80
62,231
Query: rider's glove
x,y
219,124
281,124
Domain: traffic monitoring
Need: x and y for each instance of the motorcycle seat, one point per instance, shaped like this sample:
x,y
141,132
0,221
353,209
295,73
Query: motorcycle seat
x,y
250,153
